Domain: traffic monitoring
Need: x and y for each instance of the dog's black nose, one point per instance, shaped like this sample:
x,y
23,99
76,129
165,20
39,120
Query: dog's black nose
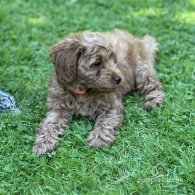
x,y
117,79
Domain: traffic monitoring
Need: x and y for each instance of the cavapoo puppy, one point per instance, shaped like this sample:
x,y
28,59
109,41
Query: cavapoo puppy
x,y
92,73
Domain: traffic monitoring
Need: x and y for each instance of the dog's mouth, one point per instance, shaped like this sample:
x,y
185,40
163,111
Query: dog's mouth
x,y
107,89
103,90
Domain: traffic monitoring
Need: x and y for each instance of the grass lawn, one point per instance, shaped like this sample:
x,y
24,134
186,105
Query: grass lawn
x,y
154,153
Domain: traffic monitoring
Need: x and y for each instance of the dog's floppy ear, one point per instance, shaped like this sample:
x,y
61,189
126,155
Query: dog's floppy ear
x,y
64,56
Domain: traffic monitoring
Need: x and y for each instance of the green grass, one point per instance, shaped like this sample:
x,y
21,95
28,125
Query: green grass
x,y
154,153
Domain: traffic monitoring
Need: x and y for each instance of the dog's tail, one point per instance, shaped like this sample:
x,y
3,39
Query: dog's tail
x,y
151,45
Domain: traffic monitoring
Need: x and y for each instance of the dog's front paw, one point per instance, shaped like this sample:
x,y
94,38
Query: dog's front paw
x,y
100,138
46,146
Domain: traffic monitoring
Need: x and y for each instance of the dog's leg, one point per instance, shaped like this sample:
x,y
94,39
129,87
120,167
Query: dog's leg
x,y
146,81
104,132
148,85
47,136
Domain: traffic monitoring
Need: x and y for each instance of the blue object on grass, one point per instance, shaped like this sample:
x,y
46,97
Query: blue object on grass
x,y
7,103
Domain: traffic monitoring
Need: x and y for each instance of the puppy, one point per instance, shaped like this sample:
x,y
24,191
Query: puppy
x,y
92,73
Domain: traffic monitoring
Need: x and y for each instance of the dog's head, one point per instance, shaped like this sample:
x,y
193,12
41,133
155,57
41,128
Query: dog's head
x,y
86,61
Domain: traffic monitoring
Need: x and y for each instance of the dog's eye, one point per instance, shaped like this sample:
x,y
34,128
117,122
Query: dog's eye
x,y
115,59
97,64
